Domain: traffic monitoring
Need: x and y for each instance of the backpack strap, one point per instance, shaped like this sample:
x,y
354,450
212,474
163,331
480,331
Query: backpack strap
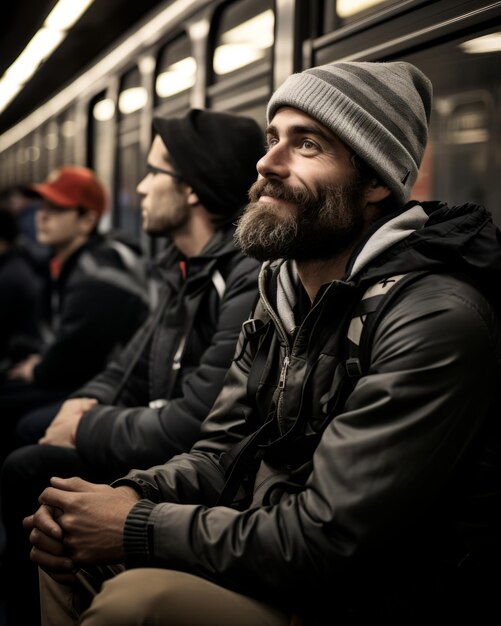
x,y
366,316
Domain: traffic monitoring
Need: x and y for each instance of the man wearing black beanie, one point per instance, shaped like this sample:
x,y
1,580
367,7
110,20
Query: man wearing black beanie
x,y
148,404
215,152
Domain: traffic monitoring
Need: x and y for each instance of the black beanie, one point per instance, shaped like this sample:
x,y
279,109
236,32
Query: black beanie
x,y
216,154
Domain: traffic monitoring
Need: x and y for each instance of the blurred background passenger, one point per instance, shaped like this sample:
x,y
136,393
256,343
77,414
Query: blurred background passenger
x,y
97,297
23,204
19,295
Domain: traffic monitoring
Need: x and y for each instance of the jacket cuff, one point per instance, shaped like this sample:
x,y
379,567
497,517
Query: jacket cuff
x,y
144,488
138,535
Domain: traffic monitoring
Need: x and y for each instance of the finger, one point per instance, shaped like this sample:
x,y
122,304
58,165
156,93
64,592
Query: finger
x,y
47,561
28,522
44,520
53,497
71,484
43,542
75,484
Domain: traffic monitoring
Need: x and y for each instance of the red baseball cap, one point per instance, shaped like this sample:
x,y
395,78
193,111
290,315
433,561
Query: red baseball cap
x,y
73,185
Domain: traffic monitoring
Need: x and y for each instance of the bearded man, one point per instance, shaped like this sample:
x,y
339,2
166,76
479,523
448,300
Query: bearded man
x,y
310,499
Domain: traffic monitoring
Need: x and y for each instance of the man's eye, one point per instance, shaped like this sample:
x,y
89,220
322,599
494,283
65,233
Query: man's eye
x,y
270,143
308,144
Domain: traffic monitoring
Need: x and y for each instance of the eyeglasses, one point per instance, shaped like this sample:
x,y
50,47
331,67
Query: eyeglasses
x,y
151,169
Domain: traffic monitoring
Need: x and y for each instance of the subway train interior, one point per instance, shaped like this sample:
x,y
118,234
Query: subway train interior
x,y
67,106
82,87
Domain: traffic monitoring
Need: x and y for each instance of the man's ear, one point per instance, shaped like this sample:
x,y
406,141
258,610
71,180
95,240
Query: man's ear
x,y
375,191
88,221
192,197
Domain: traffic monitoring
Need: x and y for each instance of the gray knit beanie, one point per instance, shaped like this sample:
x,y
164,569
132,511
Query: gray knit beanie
x,y
379,110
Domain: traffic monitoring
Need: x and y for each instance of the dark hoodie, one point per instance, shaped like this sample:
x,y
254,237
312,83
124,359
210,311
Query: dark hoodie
x,y
359,505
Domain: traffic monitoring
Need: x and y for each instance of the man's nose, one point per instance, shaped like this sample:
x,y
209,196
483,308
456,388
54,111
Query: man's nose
x,y
275,163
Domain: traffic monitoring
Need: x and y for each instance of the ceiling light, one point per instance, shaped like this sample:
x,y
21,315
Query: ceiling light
x,y
8,91
244,44
231,57
176,78
487,43
44,42
39,48
104,110
258,30
348,8
66,13
132,99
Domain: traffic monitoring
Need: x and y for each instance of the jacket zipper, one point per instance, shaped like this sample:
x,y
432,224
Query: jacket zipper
x,y
281,330
283,333
281,386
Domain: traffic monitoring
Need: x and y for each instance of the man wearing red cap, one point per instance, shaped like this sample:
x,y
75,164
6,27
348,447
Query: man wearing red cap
x,y
96,299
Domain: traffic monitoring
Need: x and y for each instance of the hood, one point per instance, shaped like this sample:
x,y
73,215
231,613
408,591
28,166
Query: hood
x,y
428,236
431,236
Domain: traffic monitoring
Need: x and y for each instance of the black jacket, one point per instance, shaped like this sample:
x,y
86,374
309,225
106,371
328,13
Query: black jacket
x,y
356,503
97,302
20,306
172,370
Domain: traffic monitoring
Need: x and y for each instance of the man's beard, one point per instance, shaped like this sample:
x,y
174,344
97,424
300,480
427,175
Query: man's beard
x,y
166,223
320,228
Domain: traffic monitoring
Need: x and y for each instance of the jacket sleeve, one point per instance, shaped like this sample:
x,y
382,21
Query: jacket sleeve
x,y
103,387
197,476
379,463
96,316
141,437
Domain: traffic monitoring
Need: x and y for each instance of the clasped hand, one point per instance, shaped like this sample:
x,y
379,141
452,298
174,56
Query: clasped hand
x,y
78,522
63,428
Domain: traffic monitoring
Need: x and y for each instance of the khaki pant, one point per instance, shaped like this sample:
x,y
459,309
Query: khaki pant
x,y
153,597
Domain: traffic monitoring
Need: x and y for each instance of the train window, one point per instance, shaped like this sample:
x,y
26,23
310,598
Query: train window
x,y
50,144
244,36
344,12
348,10
131,100
38,171
101,143
129,213
133,96
463,158
175,75
9,162
66,145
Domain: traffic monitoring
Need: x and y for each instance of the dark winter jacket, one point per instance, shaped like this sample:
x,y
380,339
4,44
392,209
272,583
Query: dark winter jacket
x,y
362,503
173,369
97,303
20,305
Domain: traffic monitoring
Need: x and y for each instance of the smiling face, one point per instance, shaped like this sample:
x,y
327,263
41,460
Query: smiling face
x,y
164,206
308,202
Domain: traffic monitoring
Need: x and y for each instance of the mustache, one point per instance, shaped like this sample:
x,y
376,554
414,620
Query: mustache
x,y
277,189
